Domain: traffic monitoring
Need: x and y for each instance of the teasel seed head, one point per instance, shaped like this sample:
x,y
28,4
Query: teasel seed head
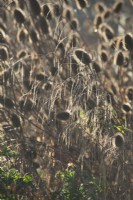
x,y
96,67
22,35
98,20
74,24
126,107
117,7
82,57
118,140
35,7
64,115
81,4
44,26
129,92
4,55
128,42
104,56
57,10
119,58
47,12
34,36
15,119
100,7
19,16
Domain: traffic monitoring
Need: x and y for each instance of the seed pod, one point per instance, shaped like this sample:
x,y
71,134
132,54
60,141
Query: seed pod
x,y
74,24
73,39
19,16
35,7
119,58
41,77
5,101
81,4
100,7
64,115
106,14
57,10
128,42
109,33
82,57
104,56
130,93
22,53
118,140
3,53
22,35
117,6
34,36
44,25
26,105
98,20
126,107
47,12
15,120
96,67
68,14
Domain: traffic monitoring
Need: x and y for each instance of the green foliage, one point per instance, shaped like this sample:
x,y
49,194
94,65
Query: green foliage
x,y
74,189
12,182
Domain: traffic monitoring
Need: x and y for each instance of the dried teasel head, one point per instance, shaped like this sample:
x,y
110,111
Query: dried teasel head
x,y
118,140
22,53
26,105
106,14
82,57
104,56
74,24
106,32
35,7
98,20
64,115
117,7
119,58
19,16
81,4
47,12
34,36
44,26
7,102
126,108
22,35
129,93
4,55
96,66
73,40
67,13
15,119
128,42
57,10
100,7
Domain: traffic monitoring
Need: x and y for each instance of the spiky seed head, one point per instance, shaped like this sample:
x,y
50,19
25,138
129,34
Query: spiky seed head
x,y
64,115
19,16
117,6
41,77
34,36
109,33
47,12
57,10
96,67
74,24
98,20
68,14
100,7
81,4
128,42
15,119
106,14
22,35
104,56
7,102
130,93
26,105
82,57
35,7
118,140
126,107
22,53
119,58
3,53
44,25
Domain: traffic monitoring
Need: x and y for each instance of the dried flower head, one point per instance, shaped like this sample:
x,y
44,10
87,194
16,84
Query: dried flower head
x,y
81,4
119,58
82,57
117,6
47,12
35,7
19,16
64,115
118,140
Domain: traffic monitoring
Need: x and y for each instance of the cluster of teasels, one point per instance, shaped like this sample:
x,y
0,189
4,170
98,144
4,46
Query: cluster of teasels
x,y
47,77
